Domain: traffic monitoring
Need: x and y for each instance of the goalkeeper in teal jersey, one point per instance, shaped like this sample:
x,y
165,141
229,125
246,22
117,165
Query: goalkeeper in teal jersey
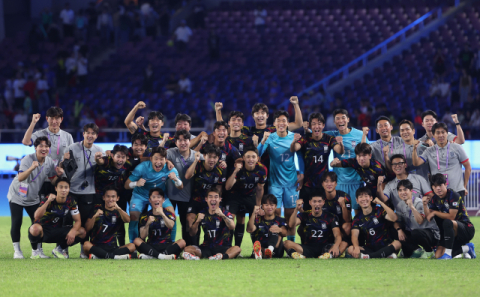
x,y
284,182
348,179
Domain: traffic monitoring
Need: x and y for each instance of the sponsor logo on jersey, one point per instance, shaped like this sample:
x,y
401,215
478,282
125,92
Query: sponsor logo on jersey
x,y
224,156
240,147
188,210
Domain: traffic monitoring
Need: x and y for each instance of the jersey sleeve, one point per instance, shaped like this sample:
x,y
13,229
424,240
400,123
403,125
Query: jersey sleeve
x,y
349,163
356,224
143,220
302,141
43,201
228,214
223,176
234,154
170,215
424,156
137,173
388,191
453,200
451,136
301,216
95,209
335,223
419,207
462,155
263,172
299,163
333,142
432,206
348,202
73,207
424,186
197,168
25,164
34,137
282,223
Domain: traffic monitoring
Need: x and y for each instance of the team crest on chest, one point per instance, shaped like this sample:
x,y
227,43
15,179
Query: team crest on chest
x,y
325,148
224,156
324,226
217,223
375,221
339,210
256,179
114,219
240,147
215,180
354,143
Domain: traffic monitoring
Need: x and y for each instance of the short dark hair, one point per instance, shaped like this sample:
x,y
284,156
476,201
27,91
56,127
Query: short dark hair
x,y
408,123
340,111
438,179
218,124
143,139
211,149
39,140
330,174
383,118
212,190
183,117
238,114
318,194
280,113
184,133
318,116
159,190
54,112
363,190
269,198
250,148
405,183
437,126
62,179
159,150
155,114
431,113
110,188
363,148
259,107
118,148
92,126
398,156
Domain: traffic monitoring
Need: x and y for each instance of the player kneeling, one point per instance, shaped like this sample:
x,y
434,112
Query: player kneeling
x,y
48,226
320,229
216,225
157,225
105,222
267,230
373,222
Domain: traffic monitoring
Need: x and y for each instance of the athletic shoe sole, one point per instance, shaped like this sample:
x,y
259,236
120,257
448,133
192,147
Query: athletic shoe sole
x,y
257,250
268,254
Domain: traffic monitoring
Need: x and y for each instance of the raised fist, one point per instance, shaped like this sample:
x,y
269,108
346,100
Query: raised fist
x,y
365,130
339,139
455,118
294,100
36,118
296,137
141,182
140,105
34,164
197,156
218,106
98,155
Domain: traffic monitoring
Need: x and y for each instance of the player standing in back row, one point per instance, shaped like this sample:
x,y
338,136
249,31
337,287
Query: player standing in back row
x,y
283,181
315,148
348,179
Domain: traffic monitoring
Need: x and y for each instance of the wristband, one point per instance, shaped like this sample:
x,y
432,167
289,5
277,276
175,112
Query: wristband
x,y
457,124
132,185
398,229
178,182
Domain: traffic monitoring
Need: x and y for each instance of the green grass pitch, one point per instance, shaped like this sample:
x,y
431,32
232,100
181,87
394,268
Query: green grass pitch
x,y
238,277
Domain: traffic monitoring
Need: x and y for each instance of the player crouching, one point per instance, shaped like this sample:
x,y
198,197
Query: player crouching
x,y
157,225
267,230
48,226
104,224
320,229
216,225
374,223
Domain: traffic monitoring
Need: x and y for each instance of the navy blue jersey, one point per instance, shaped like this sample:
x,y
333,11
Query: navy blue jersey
x,y
318,230
375,227
263,225
106,226
247,181
452,200
316,155
56,212
153,141
333,207
158,232
216,232
204,180
241,142
369,175
229,155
